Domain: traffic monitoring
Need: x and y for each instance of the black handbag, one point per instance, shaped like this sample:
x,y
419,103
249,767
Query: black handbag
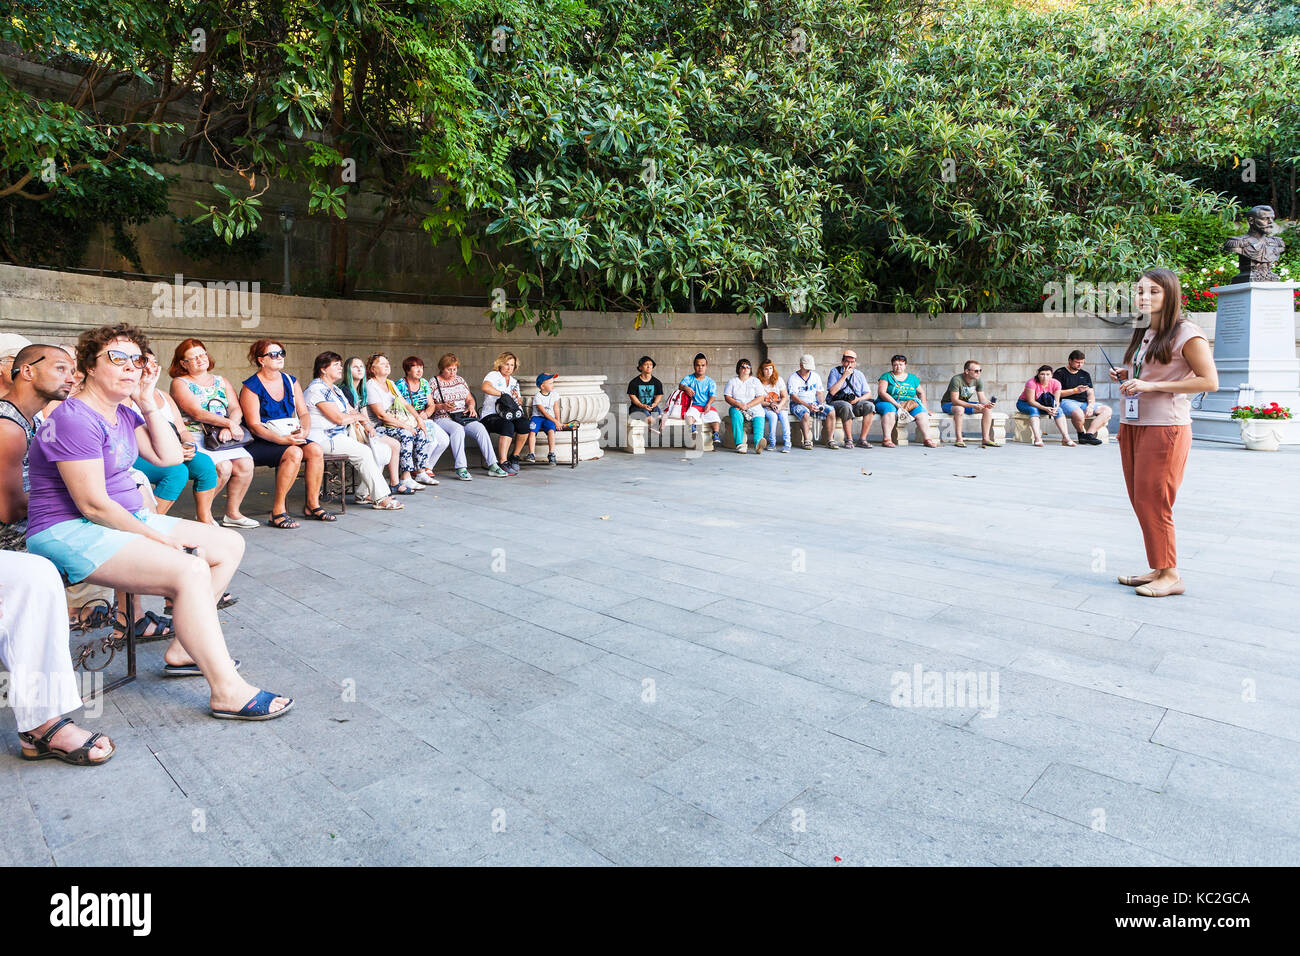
x,y
508,408
460,418
212,433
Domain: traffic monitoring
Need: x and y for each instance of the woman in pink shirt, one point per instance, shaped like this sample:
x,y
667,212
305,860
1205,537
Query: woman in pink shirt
x,y
1032,403
1165,364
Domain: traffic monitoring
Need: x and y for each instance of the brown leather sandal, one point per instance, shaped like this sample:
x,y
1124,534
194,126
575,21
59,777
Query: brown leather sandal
x,y
41,749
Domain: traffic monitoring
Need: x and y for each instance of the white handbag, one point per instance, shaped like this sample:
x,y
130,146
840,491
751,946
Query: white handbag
x,y
284,427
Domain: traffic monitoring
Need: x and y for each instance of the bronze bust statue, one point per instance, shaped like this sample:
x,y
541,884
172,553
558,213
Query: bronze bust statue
x,y
1256,251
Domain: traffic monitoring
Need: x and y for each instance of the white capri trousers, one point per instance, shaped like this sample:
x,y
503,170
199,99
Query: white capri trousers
x,y
34,640
456,437
708,418
369,474
439,441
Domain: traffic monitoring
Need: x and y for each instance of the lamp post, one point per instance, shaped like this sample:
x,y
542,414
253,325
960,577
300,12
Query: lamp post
x,y
286,226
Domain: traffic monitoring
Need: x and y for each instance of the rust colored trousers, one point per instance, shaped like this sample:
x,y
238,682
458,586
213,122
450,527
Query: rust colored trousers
x,y
1154,458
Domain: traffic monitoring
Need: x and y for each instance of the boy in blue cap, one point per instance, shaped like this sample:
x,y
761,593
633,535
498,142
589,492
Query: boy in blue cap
x,y
544,418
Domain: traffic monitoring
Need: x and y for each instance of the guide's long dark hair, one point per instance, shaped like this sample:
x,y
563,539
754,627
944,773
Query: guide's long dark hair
x,y
1165,321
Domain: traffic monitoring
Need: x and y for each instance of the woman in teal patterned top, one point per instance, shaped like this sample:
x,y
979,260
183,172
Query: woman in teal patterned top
x,y
901,390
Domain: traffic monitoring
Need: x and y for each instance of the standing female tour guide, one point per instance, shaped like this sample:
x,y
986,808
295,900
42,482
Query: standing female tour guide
x,y
1164,364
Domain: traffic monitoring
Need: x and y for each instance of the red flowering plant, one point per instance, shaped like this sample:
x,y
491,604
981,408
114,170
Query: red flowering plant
x,y
1272,410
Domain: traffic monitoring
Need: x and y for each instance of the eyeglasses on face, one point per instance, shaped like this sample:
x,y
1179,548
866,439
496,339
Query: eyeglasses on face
x,y
120,358
975,371
273,353
194,358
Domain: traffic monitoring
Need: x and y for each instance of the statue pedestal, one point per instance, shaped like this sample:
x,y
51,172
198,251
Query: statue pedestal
x,y
1254,350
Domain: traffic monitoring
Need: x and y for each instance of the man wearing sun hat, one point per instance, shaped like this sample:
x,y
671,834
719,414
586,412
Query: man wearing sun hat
x,y
808,401
10,345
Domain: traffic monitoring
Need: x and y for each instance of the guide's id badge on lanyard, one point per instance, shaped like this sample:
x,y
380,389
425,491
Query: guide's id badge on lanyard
x,y
1131,404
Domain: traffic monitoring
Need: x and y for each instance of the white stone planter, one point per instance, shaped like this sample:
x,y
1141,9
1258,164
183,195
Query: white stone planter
x,y
1262,434
582,400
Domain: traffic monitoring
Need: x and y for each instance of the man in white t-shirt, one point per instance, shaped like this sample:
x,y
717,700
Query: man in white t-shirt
x,y
808,401
745,394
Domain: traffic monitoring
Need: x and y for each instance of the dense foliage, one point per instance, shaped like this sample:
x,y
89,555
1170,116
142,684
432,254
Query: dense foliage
x,y
809,156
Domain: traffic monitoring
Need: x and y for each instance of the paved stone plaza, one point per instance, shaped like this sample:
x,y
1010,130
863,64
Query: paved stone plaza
x,y
656,661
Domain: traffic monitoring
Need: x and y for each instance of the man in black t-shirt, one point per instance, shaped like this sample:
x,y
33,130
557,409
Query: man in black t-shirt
x,y
645,391
1079,399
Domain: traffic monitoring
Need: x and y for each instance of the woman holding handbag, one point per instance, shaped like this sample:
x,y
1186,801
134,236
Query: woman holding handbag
x,y
453,412
901,393
213,418
341,431
415,388
276,414
1165,363
397,419
503,410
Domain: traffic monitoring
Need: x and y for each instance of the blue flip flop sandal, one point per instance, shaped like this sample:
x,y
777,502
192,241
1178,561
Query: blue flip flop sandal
x,y
185,670
256,709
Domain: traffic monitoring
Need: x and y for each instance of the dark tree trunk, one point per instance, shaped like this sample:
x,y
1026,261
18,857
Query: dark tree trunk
x,y
338,227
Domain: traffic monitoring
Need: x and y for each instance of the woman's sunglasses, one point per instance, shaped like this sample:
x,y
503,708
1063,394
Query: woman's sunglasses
x,y
274,353
121,358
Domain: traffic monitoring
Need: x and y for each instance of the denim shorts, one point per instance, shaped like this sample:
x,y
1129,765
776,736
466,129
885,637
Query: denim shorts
x,y
799,411
77,547
1024,406
888,408
1070,406
948,407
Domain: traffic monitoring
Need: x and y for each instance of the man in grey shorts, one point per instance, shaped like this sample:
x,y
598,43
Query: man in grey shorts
x,y
848,393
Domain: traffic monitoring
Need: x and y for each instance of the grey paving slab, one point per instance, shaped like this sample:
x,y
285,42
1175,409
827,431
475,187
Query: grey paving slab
x,y
952,752
1225,649
1220,703
654,661
821,829
1190,834
682,834
1235,746
1264,800
630,731
734,789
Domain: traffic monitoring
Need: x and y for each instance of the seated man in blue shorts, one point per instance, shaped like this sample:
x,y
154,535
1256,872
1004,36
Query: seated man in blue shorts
x,y
965,396
1079,399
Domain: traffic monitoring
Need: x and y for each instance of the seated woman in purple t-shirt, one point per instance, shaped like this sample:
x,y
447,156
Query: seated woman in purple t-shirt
x,y
85,514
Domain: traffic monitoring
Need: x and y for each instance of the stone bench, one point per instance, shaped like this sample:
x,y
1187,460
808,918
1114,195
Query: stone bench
x,y
972,423
637,438
1023,432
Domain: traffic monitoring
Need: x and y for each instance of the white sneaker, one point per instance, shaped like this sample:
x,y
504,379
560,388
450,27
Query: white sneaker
x,y
426,479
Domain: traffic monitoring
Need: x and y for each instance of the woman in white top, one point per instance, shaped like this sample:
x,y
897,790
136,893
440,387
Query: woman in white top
x,y
507,425
331,419
397,419
776,405
746,394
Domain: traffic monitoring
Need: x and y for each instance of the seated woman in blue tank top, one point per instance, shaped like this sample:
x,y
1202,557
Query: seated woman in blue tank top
x,y
276,414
